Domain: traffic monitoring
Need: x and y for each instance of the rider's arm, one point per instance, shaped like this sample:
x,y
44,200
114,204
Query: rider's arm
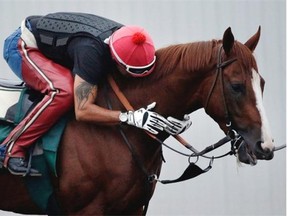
x,y
85,110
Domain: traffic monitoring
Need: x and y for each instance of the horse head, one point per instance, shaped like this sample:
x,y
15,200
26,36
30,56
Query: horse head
x,y
235,99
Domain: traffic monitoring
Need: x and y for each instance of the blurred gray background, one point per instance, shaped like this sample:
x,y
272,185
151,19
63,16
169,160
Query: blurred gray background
x,y
229,188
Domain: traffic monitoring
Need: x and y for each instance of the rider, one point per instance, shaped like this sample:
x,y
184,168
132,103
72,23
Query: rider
x,y
46,49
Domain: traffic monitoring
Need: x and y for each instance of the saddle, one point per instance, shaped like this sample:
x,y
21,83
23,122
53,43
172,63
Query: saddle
x,y
17,101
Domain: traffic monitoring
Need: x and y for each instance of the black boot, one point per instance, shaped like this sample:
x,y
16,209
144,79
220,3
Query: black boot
x,y
18,166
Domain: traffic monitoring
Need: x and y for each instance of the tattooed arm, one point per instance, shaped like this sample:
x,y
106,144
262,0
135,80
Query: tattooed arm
x,y
85,109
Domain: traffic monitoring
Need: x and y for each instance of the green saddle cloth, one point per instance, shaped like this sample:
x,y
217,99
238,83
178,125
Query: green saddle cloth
x,y
40,188
44,157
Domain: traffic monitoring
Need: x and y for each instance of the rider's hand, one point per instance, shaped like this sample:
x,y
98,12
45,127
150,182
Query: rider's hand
x,y
146,119
179,126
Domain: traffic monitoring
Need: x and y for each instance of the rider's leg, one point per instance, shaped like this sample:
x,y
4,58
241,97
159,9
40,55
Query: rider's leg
x,y
56,83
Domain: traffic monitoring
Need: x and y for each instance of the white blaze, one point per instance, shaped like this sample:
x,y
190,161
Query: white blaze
x,y
265,129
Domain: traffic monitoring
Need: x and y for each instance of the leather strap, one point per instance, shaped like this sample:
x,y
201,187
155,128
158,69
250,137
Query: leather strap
x,y
128,106
119,94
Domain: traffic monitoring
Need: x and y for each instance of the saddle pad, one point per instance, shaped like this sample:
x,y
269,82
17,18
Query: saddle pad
x,y
51,141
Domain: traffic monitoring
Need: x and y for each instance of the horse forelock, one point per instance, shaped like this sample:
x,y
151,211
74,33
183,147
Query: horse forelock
x,y
245,56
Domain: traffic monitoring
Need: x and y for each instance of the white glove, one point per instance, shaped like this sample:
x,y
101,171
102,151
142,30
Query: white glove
x,y
146,119
179,126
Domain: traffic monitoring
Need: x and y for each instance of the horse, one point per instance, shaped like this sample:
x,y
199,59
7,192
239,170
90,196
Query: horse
x,y
99,174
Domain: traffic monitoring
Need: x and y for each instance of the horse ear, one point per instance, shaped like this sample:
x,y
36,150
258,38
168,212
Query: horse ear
x,y
253,41
228,40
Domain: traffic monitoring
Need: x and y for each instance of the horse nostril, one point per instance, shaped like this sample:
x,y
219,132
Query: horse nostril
x,y
270,155
264,154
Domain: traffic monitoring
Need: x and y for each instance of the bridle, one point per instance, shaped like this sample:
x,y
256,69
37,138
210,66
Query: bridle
x,y
232,134
219,76
235,137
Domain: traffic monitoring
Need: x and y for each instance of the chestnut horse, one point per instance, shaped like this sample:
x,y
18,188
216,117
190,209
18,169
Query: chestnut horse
x,y
100,175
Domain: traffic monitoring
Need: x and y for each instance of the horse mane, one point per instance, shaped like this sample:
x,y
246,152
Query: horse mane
x,y
196,56
190,56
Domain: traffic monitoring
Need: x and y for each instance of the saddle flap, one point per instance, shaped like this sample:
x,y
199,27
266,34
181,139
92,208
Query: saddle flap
x,y
8,97
16,103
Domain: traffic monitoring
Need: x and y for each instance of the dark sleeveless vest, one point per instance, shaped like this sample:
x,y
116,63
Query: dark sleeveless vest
x,y
54,31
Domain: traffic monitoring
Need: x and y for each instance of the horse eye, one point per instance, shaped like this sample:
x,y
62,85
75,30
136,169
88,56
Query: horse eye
x,y
238,88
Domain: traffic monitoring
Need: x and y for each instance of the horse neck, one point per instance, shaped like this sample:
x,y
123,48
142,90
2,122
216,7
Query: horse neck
x,y
176,93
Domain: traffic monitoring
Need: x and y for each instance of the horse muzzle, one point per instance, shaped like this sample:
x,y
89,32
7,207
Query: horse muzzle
x,y
249,155
263,154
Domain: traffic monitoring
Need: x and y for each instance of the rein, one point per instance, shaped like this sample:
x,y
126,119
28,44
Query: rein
x,y
128,106
193,170
231,135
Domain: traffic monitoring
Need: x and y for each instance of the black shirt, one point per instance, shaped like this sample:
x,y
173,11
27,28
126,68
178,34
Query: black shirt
x,y
89,58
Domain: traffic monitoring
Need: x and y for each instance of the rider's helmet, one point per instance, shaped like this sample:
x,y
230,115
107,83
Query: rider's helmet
x,y
133,48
